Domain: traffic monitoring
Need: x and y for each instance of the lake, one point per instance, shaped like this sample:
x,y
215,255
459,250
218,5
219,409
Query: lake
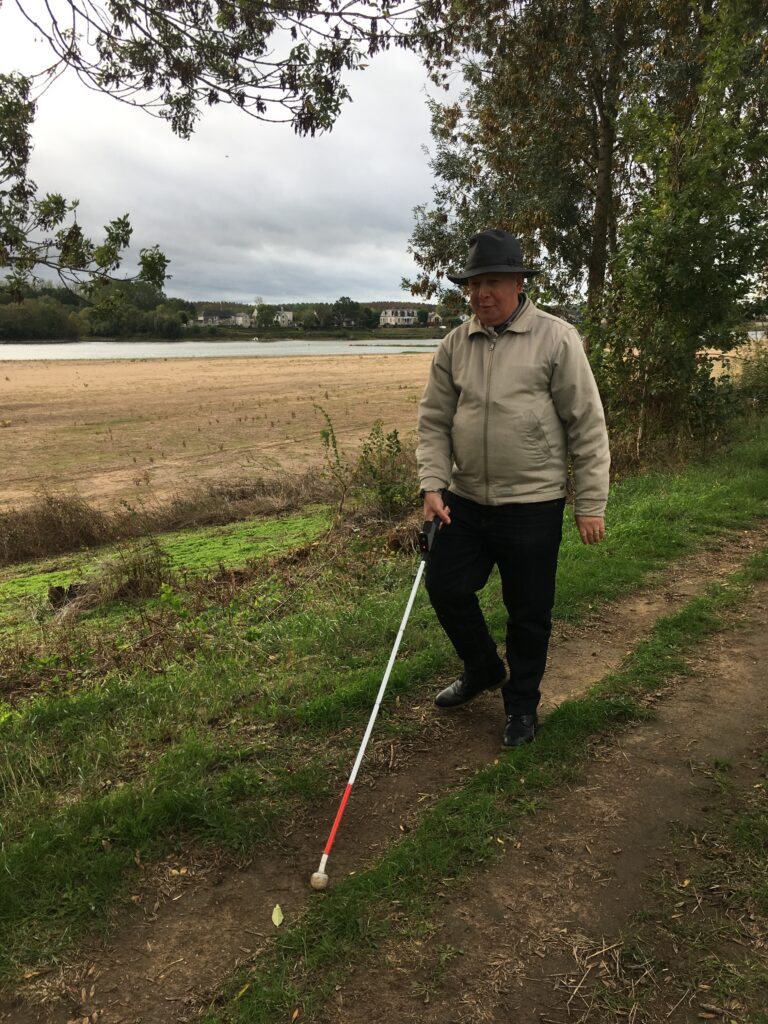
x,y
202,349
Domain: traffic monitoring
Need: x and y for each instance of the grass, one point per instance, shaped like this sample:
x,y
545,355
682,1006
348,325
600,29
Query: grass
x,y
173,721
60,523
191,552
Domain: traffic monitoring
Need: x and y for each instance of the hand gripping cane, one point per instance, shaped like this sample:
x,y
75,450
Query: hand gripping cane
x,y
319,879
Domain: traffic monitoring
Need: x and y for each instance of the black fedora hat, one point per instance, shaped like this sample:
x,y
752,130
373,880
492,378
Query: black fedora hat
x,y
493,252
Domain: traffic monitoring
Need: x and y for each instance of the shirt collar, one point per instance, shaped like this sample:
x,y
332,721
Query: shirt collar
x,y
513,315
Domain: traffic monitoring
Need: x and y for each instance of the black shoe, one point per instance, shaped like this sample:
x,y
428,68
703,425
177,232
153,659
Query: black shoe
x,y
520,729
461,692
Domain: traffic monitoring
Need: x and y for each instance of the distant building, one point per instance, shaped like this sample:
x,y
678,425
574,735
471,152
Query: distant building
x,y
284,317
435,320
398,318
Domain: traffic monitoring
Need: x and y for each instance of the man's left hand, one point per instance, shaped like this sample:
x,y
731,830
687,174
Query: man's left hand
x,y
591,528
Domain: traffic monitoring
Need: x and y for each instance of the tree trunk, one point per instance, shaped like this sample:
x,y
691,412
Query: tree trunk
x,y
601,218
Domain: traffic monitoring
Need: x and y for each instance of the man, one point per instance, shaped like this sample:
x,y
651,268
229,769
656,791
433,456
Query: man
x,y
510,394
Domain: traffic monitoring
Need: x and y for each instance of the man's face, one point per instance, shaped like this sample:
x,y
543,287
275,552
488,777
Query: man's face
x,y
494,297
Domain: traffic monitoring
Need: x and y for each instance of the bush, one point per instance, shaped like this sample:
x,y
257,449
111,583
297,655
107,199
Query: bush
x,y
135,571
385,473
753,382
138,570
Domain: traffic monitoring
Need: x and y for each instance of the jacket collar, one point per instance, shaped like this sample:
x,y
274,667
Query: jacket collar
x,y
520,325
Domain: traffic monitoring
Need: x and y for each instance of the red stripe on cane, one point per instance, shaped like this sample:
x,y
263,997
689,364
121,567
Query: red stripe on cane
x,y
337,822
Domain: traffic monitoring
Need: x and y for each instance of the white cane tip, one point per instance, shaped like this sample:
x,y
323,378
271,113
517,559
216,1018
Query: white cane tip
x,y
319,880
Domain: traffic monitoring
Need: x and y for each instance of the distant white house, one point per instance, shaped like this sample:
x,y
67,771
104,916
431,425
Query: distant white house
x,y
397,318
284,317
241,320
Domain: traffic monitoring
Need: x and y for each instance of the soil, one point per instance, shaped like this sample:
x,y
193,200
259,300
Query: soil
x,y
127,429
573,874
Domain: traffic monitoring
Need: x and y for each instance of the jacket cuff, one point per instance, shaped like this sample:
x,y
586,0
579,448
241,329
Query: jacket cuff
x,y
432,483
587,507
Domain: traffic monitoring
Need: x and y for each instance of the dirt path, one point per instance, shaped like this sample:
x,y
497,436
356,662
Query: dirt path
x,y
123,429
578,872
194,920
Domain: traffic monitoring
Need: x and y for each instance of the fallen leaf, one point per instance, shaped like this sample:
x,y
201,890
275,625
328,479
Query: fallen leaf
x,y
243,990
277,916
296,1014
685,883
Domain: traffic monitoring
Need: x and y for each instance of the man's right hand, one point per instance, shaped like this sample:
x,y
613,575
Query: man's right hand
x,y
435,507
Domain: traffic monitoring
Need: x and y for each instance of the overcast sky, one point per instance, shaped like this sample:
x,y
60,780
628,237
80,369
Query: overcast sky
x,y
244,209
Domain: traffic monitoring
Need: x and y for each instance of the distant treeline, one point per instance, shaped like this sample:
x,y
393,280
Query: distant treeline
x,y
317,316
102,310
124,309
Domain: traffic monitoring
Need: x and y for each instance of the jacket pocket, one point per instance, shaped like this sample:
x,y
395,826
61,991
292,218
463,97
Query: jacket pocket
x,y
519,451
539,444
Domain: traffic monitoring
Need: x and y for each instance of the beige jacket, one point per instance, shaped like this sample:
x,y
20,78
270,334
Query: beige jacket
x,y
500,414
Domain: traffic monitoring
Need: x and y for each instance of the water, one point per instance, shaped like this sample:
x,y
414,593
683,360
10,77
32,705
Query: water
x,y
204,349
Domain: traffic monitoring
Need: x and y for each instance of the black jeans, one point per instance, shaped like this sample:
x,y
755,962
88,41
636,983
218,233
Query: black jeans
x,y
523,540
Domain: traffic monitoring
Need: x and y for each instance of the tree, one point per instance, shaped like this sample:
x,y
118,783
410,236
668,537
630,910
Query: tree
x,y
43,231
275,60
533,144
38,320
265,316
368,317
344,312
628,144
694,247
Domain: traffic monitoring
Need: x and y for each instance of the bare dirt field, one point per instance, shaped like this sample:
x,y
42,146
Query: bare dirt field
x,y
122,429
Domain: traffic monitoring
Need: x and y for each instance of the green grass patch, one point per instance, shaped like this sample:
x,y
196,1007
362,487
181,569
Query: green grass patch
x,y
24,588
201,550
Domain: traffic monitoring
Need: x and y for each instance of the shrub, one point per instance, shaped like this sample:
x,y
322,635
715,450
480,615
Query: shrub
x,y
385,473
136,571
753,382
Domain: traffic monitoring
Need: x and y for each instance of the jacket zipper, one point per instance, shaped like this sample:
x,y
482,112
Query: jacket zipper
x,y
485,425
